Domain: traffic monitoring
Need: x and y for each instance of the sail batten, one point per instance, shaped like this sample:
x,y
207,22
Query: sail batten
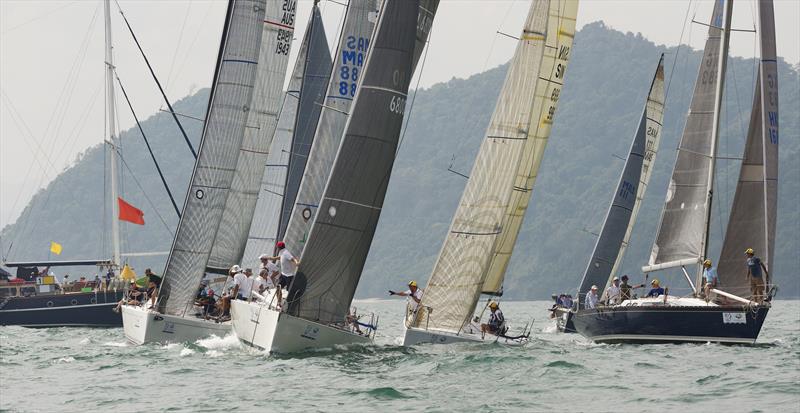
x,y
476,251
218,153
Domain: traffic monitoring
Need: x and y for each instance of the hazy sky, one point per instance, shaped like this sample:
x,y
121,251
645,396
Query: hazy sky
x,y
51,61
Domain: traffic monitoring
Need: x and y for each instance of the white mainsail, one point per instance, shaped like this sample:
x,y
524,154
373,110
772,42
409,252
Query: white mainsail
x,y
226,118
486,224
754,211
262,118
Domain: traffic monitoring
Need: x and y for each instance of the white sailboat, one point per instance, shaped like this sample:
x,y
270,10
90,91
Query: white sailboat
x,y
317,313
682,238
240,122
477,249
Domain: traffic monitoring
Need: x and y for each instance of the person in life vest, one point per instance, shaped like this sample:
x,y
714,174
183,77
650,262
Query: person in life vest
x,y
496,321
754,274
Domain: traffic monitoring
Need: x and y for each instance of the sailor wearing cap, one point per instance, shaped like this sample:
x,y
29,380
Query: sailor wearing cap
x,y
239,282
612,294
413,293
269,270
289,265
496,321
591,298
656,289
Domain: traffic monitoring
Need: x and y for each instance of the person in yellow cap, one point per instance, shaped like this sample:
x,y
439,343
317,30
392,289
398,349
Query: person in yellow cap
x,y
413,293
496,321
710,278
656,289
754,267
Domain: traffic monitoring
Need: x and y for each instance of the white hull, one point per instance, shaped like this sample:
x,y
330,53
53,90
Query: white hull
x,y
414,336
147,326
257,325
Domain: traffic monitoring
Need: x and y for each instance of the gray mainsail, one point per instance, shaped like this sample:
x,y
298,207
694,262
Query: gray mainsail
x,y
223,131
353,197
352,51
753,214
262,118
264,227
630,189
681,234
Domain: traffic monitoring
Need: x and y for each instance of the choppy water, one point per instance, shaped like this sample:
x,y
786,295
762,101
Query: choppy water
x,y
65,369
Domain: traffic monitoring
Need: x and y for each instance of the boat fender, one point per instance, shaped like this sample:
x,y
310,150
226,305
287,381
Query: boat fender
x,y
49,303
93,300
74,302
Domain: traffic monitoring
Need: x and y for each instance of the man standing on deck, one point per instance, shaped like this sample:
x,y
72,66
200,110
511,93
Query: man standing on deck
x,y
272,272
612,293
710,277
754,267
289,265
625,289
591,298
414,295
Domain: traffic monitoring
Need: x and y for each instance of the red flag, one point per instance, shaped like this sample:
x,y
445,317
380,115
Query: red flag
x,y
130,213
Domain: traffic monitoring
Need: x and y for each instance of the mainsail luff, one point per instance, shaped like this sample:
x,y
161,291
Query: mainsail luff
x,y
217,154
547,95
681,233
262,118
461,268
629,191
754,210
354,40
334,115
264,227
353,197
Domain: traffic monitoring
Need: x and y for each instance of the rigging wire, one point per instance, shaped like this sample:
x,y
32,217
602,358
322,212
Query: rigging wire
x,y
178,45
155,78
149,201
149,149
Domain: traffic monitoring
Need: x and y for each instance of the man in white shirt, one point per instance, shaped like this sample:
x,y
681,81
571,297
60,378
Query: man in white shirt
x,y
591,298
413,293
272,274
612,293
289,265
241,288
258,282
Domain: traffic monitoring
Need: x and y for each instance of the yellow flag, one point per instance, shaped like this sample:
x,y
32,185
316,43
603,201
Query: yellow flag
x,y
127,273
55,248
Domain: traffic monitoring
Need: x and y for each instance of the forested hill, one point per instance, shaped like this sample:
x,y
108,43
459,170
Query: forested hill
x,y
605,88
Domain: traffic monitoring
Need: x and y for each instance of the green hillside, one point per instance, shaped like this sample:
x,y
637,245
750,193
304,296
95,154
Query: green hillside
x,y
605,89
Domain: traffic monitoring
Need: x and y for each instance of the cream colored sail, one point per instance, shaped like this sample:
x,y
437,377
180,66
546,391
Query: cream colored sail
x,y
486,224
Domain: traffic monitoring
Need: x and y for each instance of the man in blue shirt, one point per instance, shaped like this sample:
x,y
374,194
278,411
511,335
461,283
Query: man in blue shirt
x,y
711,278
754,267
656,290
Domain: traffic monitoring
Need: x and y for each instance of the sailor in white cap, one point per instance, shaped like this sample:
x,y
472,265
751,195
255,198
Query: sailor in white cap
x,y
239,282
612,294
271,268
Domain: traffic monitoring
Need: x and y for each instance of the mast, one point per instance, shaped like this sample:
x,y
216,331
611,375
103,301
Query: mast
x,y
112,138
723,58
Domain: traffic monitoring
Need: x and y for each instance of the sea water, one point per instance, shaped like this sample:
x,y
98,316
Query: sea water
x,y
77,369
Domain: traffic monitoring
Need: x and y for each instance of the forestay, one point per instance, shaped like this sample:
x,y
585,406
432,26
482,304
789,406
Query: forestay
x,y
262,118
217,155
264,228
754,211
353,48
681,234
491,209
630,190
351,53
353,197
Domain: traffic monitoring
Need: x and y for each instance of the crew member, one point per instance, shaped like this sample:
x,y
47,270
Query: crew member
x,y
754,267
496,320
710,278
591,299
656,289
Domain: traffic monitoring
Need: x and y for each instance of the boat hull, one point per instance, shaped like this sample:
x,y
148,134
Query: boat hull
x,y
62,310
260,326
415,336
147,326
721,324
563,317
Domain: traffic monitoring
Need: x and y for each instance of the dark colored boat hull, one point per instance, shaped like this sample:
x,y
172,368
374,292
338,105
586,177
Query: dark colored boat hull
x,y
728,324
563,317
63,310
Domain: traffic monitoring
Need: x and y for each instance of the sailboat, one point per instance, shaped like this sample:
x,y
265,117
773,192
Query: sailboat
x,y
45,307
627,199
478,246
240,122
318,312
725,316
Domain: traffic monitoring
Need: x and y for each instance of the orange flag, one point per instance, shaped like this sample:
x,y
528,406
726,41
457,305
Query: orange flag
x,y
130,213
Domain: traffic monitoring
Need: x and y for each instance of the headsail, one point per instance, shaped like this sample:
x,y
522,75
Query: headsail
x,y
334,114
351,53
619,222
217,155
754,211
264,227
680,239
353,197
487,221
262,118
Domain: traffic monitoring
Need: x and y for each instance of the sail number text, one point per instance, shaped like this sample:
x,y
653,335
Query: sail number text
x,y
285,36
397,105
353,54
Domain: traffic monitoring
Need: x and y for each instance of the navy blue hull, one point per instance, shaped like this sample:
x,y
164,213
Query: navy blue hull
x,y
63,310
728,324
563,317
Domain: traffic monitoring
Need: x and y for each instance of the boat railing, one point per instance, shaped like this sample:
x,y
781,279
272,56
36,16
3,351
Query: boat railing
x,y
415,313
353,323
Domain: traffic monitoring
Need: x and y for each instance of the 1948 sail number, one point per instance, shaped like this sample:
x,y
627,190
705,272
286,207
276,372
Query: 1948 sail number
x,y
397,105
